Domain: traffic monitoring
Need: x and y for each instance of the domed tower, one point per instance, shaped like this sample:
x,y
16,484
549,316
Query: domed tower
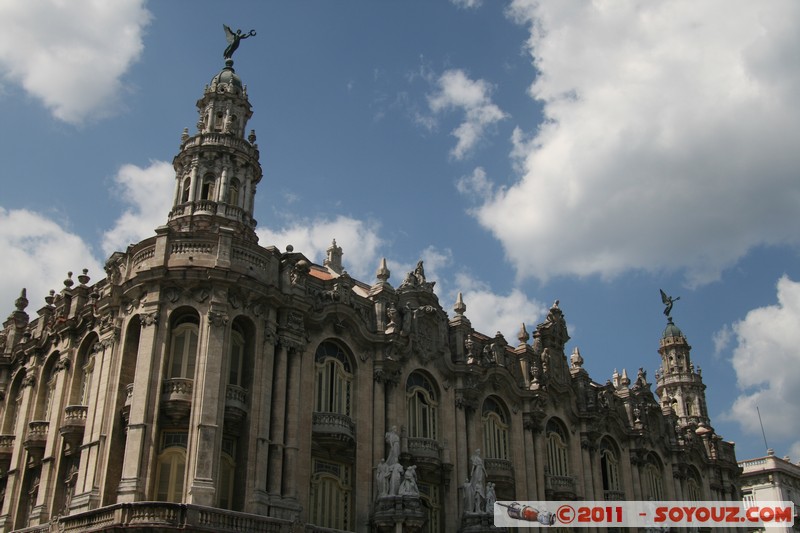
x,y
678,383
217,170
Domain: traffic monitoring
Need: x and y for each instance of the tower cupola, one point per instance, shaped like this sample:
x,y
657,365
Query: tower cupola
x,y
217,168
679,384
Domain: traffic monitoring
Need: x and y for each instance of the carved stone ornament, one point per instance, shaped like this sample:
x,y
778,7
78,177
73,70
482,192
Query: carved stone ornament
x,y
216,318
149,319
62,364
28,381
172,294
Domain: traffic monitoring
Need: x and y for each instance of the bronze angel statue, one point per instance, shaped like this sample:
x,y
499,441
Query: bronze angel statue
x,y
668,301
234,39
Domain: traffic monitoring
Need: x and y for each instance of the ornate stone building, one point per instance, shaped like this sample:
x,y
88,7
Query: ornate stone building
x,y
210,383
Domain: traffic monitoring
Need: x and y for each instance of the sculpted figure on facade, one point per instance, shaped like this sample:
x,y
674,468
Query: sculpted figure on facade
x,y
395,478
491,497
469,495
382,478
409,485
393,440
478,481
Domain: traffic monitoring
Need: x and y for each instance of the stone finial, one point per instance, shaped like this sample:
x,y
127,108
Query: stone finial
x,y
252,137
615,378
575,359
625,379
50,298
460,307
185,135
84,278
523,335
69,282
22,302
383,271
334,258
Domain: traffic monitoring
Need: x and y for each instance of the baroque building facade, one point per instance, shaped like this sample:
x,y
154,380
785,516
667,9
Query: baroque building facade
x,y
209,383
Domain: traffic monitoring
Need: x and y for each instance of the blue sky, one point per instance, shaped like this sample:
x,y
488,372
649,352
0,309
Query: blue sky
x,y
590,152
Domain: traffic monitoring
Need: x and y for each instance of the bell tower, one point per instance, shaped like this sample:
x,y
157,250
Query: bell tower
x,y
678,383
217,169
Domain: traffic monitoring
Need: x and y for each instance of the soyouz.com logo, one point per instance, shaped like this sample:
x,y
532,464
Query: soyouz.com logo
x,y
643,514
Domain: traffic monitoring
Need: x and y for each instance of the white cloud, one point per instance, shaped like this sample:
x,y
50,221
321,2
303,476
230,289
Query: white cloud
x,y
37,254
767,365
467,4
722,339
457,91
490,312
475,185
149,193
670,139
359,241
71,55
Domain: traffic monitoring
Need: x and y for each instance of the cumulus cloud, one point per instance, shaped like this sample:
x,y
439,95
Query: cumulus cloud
x,y
359,241
490,312
53,48
767,366
148,192
473,97
37,254
670,139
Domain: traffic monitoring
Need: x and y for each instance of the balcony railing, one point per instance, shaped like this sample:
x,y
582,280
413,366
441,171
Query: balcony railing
x,y
560,484
614,495
235,403
168,516
126,407
36,438
176,397
422,447
334,425
73,425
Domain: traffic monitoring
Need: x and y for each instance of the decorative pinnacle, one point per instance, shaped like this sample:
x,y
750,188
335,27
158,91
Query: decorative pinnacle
x,y
22,302
523,335
383,272
69,282
460,307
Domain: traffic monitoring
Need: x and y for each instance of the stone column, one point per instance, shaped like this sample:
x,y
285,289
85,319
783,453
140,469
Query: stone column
x,y
532,486
291,449
203,461
141,425
256,500
276,433
379,423
587,471
193,182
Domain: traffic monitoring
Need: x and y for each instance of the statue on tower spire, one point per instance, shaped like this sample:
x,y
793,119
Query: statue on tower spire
x,y
234,39
668,301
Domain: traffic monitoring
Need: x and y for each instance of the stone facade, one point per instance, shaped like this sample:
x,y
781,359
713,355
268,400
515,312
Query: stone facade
x,y
213,384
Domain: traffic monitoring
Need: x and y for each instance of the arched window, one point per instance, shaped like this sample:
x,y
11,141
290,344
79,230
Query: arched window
x,y
171,467
609,466
185,192
227,472
207,189
653,480
422,407
557,449
334,380
495,430
233,192
693,491
237,358
183,351
331,495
